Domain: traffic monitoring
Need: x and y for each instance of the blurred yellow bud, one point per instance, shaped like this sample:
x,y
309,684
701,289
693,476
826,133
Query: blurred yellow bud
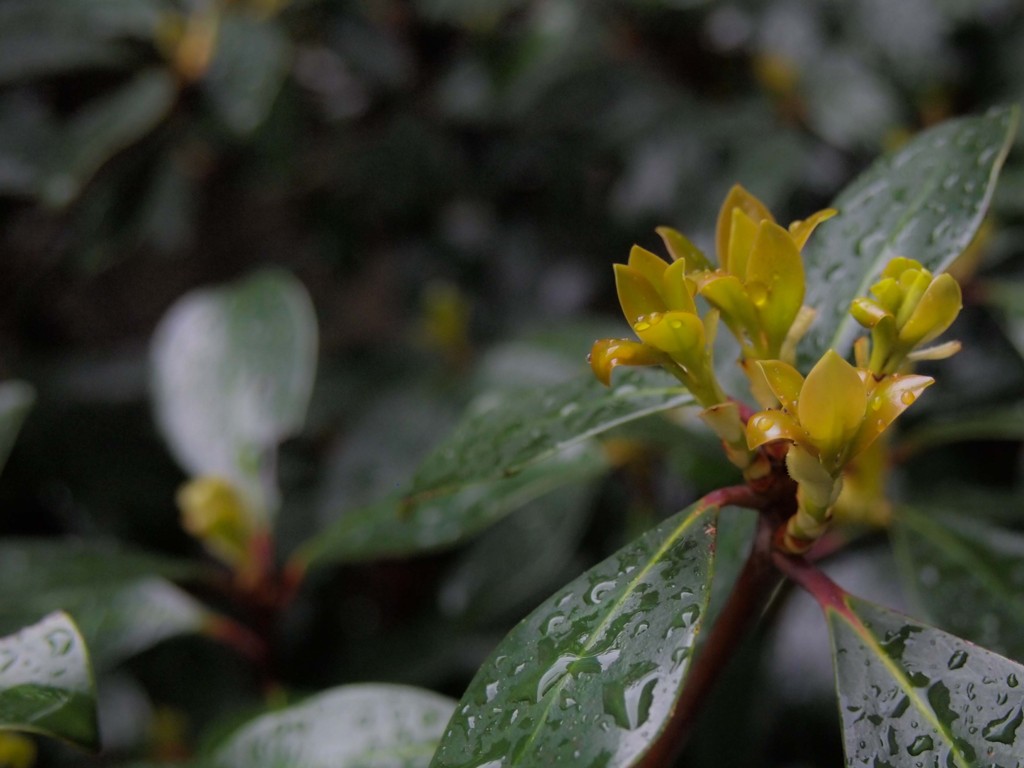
x,y
213,511
831,405
16,751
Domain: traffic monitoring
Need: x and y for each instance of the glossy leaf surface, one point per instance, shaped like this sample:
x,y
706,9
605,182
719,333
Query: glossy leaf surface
x,y
355,726
16,399
233,370
46,684
511,448
967,574
911,695
402,525
249,65
103,128
590,677
120,599
926,202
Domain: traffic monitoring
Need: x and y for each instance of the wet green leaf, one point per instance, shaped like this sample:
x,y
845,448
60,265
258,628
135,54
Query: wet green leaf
x,y
402,525
925,201
911,695
966,573
355,726
249,65
591,676
233,369
512,447
104,127
120,598
16,398
46,685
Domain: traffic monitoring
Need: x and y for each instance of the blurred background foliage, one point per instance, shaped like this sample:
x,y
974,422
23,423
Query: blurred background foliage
x,y
450,180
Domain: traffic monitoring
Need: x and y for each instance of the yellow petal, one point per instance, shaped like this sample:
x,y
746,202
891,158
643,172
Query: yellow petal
x,y
832,404
608,354
900,264
800,231
675,288
741,241
888,293
766,426
727,295
680,334
867,312
784,381
915,284
738,198
776,267
934,313
636,294
891,397
938,352
648,264
680,248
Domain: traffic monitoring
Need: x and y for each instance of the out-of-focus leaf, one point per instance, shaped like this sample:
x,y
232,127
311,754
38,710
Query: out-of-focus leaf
x,y
103,128
912,695
591,676
926,202
46,683
518,561
119,597
233,370
406,524
16,398
355,726
249,65
510,448
967,574
994,424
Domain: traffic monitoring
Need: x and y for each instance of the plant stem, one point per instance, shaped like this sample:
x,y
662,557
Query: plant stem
x,y
813,580
749,596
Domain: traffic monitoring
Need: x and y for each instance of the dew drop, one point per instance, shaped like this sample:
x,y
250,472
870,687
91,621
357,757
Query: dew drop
x,y
957,660
908,398
876,403
920,745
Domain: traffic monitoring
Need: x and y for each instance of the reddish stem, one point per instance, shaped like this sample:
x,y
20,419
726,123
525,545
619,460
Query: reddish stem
x,y
734,496
814,581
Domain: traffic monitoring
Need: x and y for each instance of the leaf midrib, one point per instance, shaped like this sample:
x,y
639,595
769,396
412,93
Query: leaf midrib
x,y
591,644
899,676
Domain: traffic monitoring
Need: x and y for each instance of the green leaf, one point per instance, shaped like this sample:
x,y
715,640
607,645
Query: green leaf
x,y
911,695
103,128
926,202
967,574
249,66
511,448
355,726
517,563
591,676
46,685
16,398
120,598
233,370
403,525
1004,423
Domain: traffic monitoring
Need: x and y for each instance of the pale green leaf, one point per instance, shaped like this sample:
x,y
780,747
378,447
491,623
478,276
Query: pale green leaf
x,y
233,370
46,684
355,726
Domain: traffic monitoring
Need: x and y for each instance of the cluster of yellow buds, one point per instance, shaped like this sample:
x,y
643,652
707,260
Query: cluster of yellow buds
x,y
757,290
911,307
828,418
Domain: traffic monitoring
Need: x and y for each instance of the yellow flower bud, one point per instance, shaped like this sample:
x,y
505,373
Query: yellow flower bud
x,y
832,405
214,512
608,354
